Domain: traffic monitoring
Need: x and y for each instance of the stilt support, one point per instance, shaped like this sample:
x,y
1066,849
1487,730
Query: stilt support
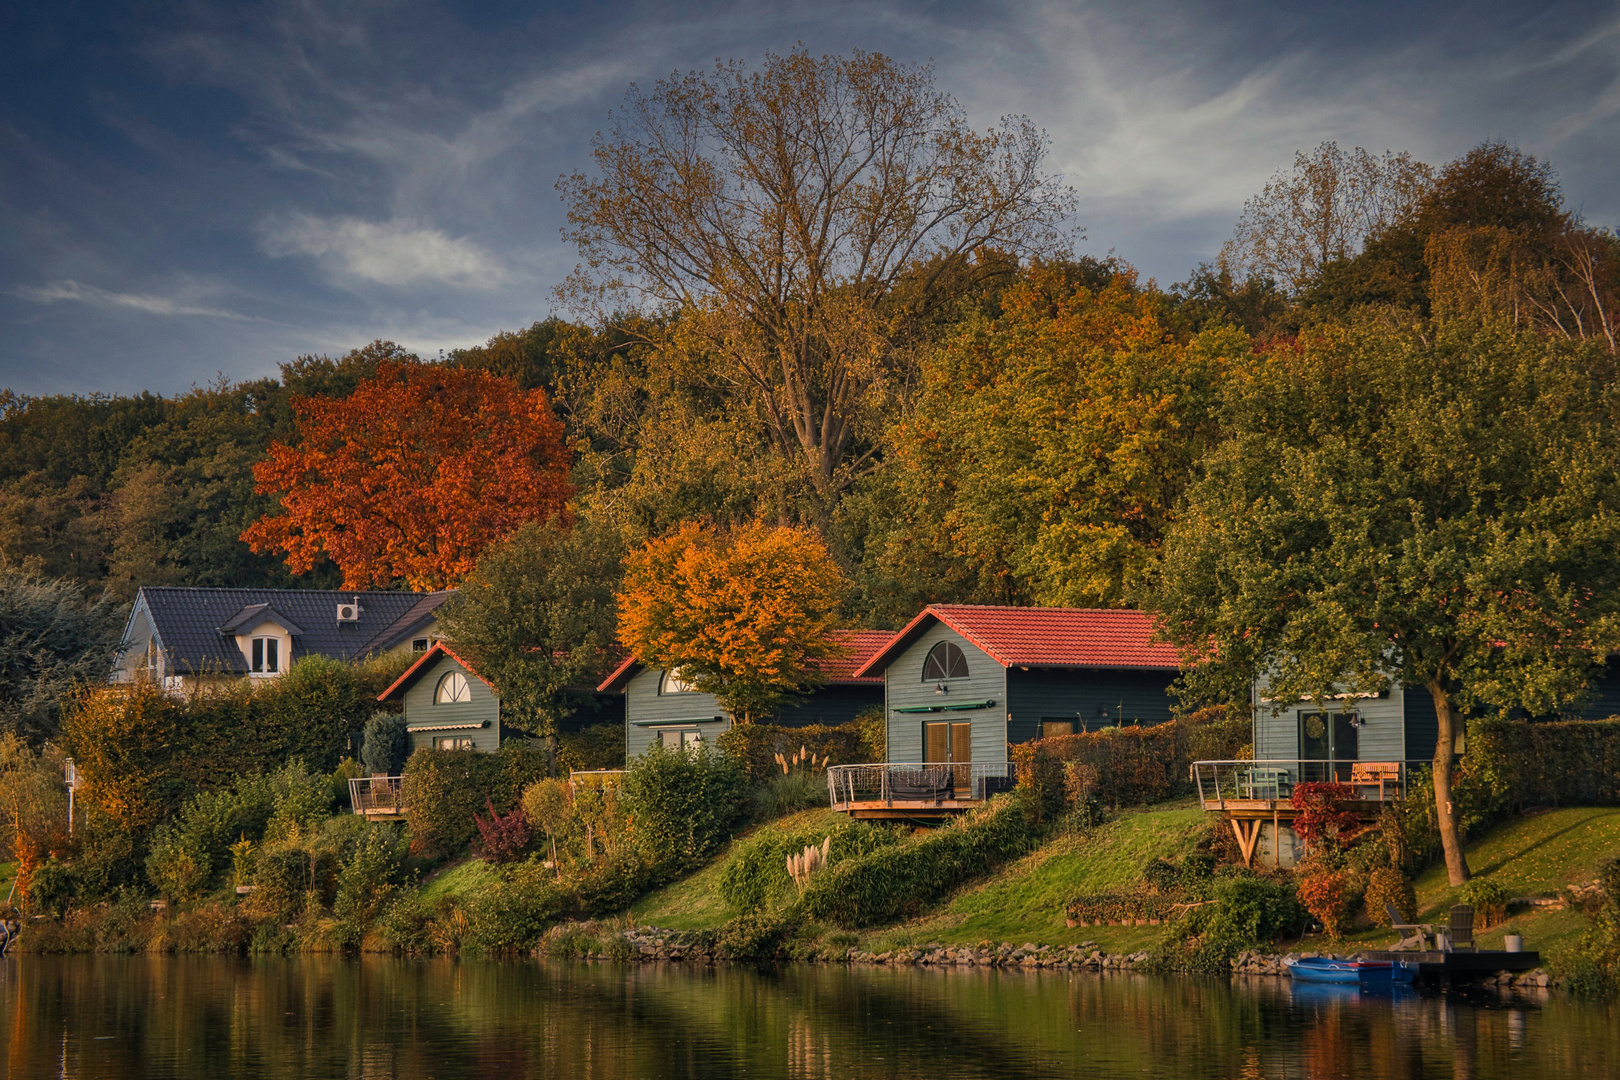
x,y
1248,835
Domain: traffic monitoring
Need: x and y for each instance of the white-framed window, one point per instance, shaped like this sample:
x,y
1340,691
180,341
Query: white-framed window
x,y
452,690
680,740
453,742
419,645
671,682
266,655
944,661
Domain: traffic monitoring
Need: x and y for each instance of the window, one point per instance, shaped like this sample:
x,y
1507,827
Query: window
x,y
419,645
945,661
680,740
452,690
453,742
151,654
266,655
947,743
1050,728
672,683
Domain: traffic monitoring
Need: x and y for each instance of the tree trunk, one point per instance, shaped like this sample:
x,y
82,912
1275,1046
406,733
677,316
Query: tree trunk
x,y
1444,752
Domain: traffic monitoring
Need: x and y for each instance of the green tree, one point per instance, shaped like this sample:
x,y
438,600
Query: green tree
x,y
537,618
1438,508
53,638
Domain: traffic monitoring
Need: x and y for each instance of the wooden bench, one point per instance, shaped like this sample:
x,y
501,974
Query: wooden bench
x,y
1379,774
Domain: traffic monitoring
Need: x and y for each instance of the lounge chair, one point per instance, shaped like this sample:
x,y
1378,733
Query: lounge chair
x,y
1413,935
912,785
1461,934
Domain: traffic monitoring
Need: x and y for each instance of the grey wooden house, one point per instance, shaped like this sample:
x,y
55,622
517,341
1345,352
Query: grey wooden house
x,y
448,705
963,681
661,709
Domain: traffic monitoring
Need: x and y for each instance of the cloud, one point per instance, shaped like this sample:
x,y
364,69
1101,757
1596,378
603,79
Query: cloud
x,y
387,253
74,291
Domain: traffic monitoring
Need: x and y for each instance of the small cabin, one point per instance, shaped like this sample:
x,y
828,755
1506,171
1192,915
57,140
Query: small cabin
x,y
662,709
448,705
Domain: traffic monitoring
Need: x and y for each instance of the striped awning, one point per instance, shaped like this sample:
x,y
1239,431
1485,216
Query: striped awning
x,y
447,727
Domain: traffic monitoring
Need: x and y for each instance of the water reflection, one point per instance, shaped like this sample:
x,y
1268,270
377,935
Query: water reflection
x,y
138,1017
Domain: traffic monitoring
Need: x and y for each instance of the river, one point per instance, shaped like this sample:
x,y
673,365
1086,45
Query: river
x,y
133,1018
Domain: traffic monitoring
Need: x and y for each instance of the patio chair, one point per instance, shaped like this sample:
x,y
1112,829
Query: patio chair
x,y
1413,935
1462,928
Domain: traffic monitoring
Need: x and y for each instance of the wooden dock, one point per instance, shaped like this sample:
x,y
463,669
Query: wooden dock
x,y
1448,967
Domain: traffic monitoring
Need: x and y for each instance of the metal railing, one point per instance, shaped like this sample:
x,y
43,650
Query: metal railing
x,y
1274,779
918,782
377,795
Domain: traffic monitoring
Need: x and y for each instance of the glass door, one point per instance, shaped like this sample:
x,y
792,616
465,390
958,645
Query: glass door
x,y
1328,737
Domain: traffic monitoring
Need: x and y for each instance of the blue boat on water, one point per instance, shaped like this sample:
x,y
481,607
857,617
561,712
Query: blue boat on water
x,y
1325,969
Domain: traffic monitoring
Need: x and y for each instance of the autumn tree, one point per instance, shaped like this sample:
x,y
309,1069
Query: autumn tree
x,y
804,221
537,618
746,615
412,475
1323,210
1437,508
53,639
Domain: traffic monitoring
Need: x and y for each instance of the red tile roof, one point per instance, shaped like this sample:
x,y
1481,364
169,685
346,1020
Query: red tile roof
x,y
1043,637
862,646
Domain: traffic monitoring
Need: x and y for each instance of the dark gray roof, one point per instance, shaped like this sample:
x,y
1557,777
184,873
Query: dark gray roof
x,y
189,622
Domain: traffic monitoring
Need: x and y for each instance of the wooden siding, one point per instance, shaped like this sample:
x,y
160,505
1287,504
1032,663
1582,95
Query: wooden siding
x,y
1381,737
1081,694
831,705
986,680
643,702
420,709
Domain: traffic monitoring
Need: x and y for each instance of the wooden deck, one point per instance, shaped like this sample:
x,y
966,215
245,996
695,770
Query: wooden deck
x,y
1458,966
378,798
915,790
902,809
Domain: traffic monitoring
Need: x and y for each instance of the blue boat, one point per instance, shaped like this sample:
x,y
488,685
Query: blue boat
x,y
1324,969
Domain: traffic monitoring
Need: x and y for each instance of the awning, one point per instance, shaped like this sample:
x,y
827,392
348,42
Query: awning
x,y
447,727
954,706
677,720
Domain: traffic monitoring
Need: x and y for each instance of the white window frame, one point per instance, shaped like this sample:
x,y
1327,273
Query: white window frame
x,y
264,653
452,689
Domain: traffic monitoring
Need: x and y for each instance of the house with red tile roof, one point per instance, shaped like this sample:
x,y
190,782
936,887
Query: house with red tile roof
x,y
962,681
448,705
661,709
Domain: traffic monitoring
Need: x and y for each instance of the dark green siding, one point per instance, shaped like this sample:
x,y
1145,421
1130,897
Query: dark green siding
x,y
644,707
1100,697
420,710
831,705
986,681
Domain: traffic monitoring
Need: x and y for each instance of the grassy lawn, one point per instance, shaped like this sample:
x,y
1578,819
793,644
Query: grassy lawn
x,y
458,879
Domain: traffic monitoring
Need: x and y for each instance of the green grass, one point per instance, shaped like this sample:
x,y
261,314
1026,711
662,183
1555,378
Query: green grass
x,y
461,879
1025,901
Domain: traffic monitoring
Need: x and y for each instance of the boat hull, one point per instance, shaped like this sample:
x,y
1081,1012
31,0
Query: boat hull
x,y
1353,972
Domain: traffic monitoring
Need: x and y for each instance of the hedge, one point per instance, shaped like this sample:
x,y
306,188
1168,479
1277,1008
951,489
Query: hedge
x,y
1512,764
443,789
755,746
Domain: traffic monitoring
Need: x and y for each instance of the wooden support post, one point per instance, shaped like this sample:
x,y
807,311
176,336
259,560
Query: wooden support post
x,y
1276,838
1246,838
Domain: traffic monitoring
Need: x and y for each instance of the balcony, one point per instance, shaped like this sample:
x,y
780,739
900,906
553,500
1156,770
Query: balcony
x,y
378,798
916,789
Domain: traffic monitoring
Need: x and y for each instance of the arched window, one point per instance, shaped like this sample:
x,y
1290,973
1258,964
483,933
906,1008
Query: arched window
x,y
672,683
945,661
452,690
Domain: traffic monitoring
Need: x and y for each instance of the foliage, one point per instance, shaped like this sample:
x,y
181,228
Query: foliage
x,y
190,850
896,880
1324,814
386,745
756,873
1328,895
1489,899
805,220
1387,885
746,615
599,746
1427,506
757,935
755,746
1511,765
444,789
502,837
52,639
411,475
872,723
1132,765
33,805
513,913
1047,448
536,617
682,804
369,882
1253,909
787,793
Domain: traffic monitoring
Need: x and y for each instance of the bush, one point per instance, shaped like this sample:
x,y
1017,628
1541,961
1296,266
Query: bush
x,y
755,746
616,882
1512,764
1488,899
897,880
600,746
682,804
513,913
788,793
386,745
1387,885
1133,765
1324,818
1251,909
756,872
445,789
189,853
1219,733
502,837
756,935
52,889
873,725
1327,895
366,884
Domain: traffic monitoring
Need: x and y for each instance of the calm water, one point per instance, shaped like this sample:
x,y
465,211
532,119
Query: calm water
x,y
132,1018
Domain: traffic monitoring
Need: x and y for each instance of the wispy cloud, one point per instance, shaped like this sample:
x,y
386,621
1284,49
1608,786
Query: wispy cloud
x,y
386,253
77,292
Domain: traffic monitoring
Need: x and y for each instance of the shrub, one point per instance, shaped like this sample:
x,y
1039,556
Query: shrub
x,y
52,889
512,914
1488,899
757,872
1387,885
755,746
1133,765
1251,909
1326,894
873,725
614,883
788,793
502,837
756,935
599,746
445,789
367,882
1219,733
190,852
1512,764
682,804
1323,817
896,880
386,745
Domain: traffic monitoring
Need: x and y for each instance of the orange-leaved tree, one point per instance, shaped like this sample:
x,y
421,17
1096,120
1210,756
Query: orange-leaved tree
x,y
746,615
412,475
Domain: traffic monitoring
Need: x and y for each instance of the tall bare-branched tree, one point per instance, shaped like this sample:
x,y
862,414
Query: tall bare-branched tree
x,y
802,221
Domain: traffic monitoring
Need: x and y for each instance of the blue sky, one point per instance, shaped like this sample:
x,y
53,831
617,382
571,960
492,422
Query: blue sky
x,y
195,189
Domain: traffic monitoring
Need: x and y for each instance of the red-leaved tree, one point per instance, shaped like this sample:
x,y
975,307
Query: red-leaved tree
x,y
412,475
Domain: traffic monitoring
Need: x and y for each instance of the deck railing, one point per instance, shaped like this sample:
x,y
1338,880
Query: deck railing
x,y
1273,779
377,796
917,782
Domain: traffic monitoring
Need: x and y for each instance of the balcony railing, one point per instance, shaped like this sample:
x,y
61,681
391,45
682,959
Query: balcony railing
x,y
1272,781
377,796
916,783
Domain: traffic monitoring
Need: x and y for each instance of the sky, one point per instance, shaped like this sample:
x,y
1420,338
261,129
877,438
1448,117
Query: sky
x,y
194,190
